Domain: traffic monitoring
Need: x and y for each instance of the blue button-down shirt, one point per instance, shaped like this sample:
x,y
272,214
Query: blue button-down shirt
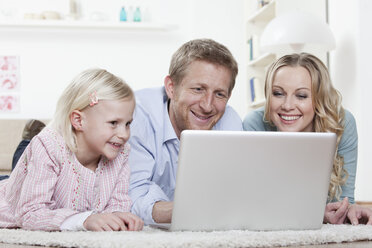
x,y
154,155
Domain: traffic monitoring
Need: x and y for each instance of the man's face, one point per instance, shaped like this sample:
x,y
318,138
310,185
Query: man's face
x,y
199,100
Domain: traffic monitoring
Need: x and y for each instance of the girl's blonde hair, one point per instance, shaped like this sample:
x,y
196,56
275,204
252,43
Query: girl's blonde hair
x,y
329,113
78,95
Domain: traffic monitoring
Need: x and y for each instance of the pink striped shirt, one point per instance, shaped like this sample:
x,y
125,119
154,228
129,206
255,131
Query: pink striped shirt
x,y
49,185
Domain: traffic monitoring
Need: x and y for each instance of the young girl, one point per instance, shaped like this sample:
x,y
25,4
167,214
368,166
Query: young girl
x,y
74,174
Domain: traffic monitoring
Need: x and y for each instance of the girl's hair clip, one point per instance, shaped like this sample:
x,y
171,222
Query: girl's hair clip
x,y
93,98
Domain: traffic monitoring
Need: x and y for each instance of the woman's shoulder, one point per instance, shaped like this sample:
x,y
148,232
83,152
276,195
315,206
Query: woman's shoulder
x,y
254,121
350,136
349,117
350,127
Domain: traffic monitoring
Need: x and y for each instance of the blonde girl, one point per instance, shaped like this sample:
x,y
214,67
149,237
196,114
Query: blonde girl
x,y
74,174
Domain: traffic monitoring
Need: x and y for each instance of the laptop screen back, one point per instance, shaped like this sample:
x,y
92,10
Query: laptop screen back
x,y
252,180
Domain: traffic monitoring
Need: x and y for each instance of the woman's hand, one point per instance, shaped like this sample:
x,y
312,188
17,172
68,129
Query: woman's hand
x,y
118,221
336,212
359,215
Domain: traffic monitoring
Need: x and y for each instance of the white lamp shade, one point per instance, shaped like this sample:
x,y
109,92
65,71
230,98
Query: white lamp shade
x,y
297,31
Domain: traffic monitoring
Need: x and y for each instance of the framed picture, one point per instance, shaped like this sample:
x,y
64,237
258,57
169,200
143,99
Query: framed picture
x,y
9,103
9,74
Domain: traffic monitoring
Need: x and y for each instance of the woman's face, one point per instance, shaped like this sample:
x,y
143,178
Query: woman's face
x,y
291,106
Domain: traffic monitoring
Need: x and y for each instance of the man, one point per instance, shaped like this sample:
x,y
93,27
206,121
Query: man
x,y
201,78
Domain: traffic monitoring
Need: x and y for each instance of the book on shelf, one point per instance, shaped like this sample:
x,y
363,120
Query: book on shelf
x,y
253,94
253,47
262,3
256,89
250,48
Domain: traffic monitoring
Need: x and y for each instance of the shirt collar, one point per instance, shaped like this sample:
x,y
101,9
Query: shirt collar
x,y
168,130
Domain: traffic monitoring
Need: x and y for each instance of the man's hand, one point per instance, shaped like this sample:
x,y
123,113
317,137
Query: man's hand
x,y
359,215
162,212
118,221
336,212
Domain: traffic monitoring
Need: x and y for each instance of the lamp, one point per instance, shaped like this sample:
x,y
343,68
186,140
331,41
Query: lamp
x,y
297,31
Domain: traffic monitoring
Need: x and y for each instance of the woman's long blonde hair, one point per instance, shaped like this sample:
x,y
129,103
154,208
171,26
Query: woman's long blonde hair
x,y
77,96
329,113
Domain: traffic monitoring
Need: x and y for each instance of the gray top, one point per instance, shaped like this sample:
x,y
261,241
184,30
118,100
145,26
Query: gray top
x,y
348,147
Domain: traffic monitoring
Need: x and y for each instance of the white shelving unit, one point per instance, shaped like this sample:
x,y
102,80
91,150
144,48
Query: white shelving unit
x,y
262,60
257,104
264,14
258,61
256,21
66,24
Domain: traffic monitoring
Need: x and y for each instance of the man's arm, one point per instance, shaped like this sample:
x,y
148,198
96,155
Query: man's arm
x,y
162,212
142,160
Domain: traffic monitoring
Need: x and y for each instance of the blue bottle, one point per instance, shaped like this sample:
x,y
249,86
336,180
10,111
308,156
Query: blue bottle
x,y
123,15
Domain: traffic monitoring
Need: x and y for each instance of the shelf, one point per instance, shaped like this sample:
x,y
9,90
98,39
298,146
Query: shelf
x,y
264,14
262,60
65,24
258,103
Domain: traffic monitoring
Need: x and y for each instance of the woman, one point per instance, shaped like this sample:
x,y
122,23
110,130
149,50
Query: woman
x,y
301,98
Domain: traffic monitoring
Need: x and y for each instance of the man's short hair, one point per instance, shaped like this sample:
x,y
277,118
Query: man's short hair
x,y
203,50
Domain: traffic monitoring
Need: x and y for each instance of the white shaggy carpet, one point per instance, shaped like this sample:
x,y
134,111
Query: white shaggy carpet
x,y
151,237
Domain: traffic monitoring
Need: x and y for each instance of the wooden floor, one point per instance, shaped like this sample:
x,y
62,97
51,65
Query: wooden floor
x,y
366,204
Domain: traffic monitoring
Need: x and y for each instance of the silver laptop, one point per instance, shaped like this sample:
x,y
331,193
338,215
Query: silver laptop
x,y
252,180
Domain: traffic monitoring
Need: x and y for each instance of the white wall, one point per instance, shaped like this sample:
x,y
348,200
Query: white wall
x,y
50,58
364,102
223,20
352,76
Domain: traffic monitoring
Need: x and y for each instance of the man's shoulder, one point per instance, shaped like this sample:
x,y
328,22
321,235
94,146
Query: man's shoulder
x,y
149,108
151,100
149,96
229,121
231,113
